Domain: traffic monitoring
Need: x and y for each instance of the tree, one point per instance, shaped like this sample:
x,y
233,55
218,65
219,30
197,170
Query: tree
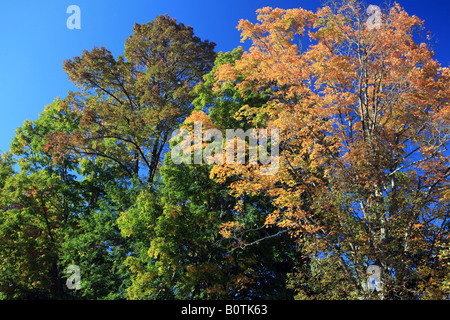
x,y
364,133
37,208
129,106
58,211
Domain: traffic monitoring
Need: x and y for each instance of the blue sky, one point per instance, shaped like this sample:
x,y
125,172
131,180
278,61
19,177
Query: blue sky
x,y
35,40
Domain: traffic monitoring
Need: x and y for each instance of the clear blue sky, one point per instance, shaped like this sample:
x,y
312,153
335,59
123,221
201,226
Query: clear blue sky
x,y
35,40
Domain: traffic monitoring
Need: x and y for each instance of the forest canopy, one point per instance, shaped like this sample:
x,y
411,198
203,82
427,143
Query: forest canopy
x,y
351,98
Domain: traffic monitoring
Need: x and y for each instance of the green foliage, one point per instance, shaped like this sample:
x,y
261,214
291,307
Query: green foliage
x,y
224,103
180,253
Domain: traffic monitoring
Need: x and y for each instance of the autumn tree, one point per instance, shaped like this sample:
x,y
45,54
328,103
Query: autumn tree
x,y
129,105
363,115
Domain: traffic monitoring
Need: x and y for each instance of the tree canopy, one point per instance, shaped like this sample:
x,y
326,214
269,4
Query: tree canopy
x,y
358,207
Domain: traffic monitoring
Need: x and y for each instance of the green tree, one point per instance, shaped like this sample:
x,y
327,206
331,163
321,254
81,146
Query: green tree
x,y
37,208
60,210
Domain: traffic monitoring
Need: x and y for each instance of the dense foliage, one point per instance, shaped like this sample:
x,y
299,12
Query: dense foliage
x,y
363,117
